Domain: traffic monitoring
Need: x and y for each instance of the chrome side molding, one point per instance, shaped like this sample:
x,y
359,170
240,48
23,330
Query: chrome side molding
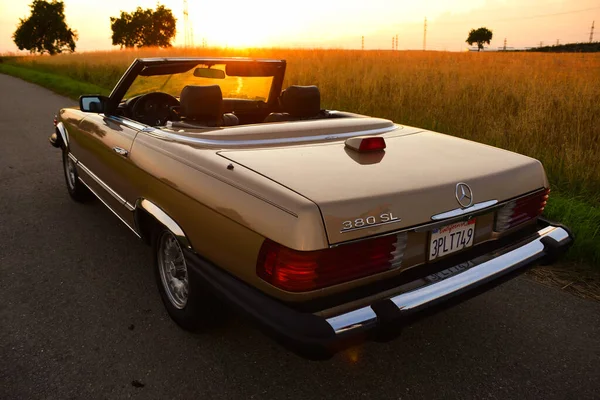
x,y
110,208
164,219
461,281
143,204
104,186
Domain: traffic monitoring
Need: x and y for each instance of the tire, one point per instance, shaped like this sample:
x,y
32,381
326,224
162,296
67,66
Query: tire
x,y
77,190
187,300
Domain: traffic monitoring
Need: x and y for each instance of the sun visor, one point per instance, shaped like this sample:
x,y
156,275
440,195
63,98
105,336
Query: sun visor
x,y
168,69
251,69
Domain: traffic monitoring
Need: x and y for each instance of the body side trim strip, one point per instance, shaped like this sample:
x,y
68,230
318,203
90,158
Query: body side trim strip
x,y
110,208
106,187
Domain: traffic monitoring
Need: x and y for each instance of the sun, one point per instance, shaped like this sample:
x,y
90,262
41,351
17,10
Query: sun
x,y
247,27
242,38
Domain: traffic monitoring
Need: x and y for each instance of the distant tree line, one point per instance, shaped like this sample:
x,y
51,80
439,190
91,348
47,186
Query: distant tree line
x,y
593,47
46,31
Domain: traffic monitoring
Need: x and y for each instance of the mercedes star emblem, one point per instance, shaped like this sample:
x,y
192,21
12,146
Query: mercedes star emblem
x,y
464,195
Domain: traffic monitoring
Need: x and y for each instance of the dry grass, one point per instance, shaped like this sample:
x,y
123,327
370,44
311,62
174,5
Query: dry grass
x,y
570,277
543,105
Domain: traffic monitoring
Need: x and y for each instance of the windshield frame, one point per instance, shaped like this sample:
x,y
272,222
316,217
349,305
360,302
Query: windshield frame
x,y
140,64
173,80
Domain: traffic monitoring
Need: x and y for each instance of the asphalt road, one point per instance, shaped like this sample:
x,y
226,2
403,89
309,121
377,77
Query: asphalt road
x,y
81,317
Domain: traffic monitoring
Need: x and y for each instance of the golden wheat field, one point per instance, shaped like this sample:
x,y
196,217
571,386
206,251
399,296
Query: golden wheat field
x,y
543,105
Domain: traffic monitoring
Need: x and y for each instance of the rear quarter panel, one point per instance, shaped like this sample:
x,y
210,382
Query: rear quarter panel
x,y
225,213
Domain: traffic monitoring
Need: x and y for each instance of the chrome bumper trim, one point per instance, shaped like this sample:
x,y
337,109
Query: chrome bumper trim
x,y
435,293
360,318
457,212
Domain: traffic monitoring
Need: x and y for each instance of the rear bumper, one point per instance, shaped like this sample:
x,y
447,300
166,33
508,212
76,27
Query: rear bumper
x,y
313,336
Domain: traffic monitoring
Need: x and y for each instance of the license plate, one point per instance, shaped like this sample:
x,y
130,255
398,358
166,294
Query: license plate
x,y
451,238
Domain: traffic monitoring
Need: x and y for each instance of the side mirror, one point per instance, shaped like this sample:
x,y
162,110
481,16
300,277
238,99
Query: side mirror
x,y
92,103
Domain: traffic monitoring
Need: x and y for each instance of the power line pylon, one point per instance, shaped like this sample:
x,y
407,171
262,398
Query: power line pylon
x,y
186,26
396,41
362,47
504,48
425,34
592,32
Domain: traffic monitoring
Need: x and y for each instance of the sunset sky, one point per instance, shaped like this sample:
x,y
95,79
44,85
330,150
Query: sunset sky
x,y
335,23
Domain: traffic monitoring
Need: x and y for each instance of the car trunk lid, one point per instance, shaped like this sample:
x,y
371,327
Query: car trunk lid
x,y
414,179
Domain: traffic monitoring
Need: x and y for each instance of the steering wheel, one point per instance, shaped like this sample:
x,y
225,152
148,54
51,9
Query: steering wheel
x,y
153,108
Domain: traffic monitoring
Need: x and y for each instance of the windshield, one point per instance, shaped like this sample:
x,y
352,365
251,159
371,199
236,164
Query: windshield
x,y
236,87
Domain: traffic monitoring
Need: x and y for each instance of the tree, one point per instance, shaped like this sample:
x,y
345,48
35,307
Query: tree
x,y
143,28
479,36
45,30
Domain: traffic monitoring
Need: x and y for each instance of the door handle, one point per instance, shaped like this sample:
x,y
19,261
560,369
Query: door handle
x,y
120,151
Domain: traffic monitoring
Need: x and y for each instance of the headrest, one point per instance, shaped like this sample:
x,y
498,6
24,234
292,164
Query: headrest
x,y
202,102
301,101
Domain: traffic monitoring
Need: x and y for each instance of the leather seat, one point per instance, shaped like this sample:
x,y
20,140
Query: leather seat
x,y
298,103
203,106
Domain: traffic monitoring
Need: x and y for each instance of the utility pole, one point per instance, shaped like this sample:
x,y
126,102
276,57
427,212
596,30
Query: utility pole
x,y
557,42
504,44
425,35
592,32
363,43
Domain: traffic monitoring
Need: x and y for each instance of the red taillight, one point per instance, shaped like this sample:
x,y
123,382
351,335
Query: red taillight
x,y
298,271
366,144
521,210
55,120
372,144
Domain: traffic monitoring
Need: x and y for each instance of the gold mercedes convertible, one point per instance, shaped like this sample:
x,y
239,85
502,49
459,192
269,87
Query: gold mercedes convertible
x,y
325,227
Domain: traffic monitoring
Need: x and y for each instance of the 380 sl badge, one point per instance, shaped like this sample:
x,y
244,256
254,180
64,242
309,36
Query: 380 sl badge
x,y
369,222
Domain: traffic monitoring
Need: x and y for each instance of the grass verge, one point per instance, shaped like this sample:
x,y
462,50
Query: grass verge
x,y
584,220
60,84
